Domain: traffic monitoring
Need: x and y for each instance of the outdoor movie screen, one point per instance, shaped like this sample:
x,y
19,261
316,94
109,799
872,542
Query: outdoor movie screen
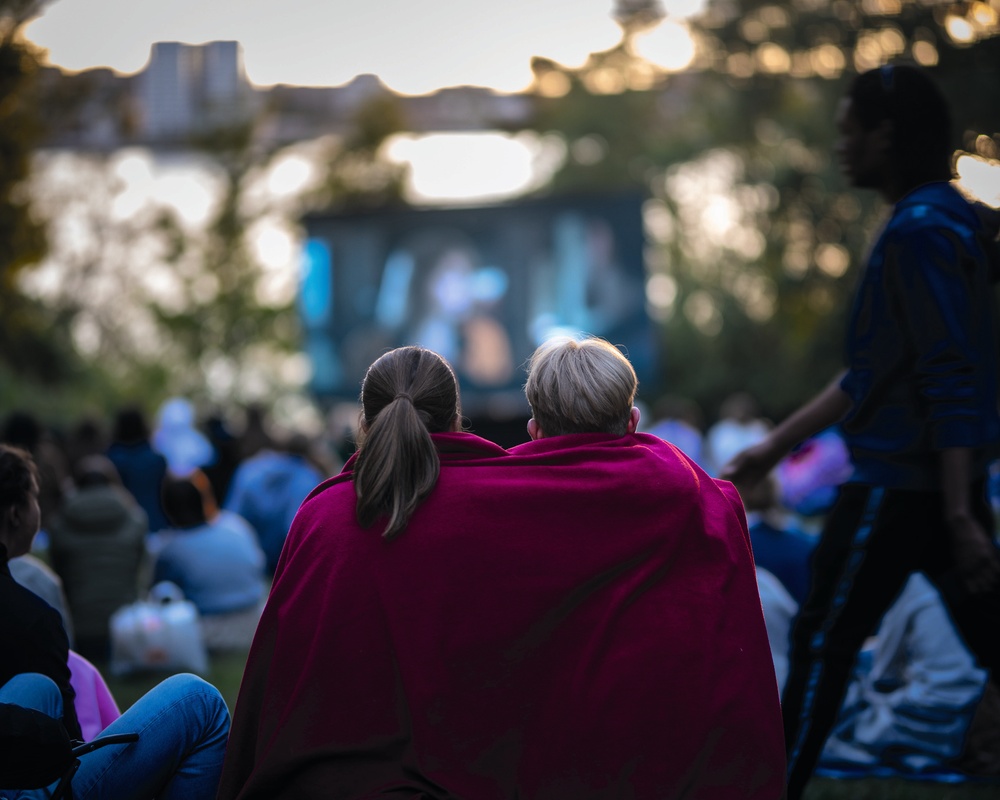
x,y
482,286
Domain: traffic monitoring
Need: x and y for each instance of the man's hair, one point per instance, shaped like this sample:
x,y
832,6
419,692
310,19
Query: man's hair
x,y
584,386
17,476
906,97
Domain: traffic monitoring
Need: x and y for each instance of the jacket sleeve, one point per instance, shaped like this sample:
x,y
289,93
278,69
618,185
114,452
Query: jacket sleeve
x,y
47,653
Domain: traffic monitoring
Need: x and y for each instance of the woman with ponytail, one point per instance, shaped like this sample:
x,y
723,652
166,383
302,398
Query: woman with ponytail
x,y
407,395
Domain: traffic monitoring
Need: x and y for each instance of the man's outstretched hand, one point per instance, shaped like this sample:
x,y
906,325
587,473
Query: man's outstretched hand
x,y
749,467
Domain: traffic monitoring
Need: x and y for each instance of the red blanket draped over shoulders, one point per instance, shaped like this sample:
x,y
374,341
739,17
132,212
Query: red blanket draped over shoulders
x,y
574,618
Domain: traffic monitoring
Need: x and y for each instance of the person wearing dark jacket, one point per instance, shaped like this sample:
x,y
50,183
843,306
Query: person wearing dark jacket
x,y
917,405
31,631
97,542
139,466
182,723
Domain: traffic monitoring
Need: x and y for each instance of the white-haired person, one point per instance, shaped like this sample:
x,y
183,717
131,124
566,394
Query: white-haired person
x,y
577,617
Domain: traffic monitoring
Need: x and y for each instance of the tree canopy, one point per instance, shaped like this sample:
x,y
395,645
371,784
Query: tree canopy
x,y
753,238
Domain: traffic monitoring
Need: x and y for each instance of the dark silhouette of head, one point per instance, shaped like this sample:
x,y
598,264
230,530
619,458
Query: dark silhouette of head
x,y
130,426
903,135
22,429
95,470
188,501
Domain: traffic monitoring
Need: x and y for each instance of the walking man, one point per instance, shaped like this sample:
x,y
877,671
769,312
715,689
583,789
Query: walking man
x,y
918,407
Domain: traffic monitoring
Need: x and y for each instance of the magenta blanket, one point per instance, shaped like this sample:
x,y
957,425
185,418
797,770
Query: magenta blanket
x,y
575,618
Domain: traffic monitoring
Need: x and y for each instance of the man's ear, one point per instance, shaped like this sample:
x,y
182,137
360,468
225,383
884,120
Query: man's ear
x,y
534,431
633,420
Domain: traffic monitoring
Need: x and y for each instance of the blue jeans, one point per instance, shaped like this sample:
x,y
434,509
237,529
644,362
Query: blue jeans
x,y
183,725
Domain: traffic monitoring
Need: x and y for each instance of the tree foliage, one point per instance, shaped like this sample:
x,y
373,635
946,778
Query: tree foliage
x,y
26,345
356,175
755,240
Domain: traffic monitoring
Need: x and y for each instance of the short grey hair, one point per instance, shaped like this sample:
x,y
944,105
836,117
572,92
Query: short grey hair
x,y
584,386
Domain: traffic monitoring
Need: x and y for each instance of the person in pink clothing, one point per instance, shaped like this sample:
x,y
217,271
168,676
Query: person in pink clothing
x,y
576,617
95,706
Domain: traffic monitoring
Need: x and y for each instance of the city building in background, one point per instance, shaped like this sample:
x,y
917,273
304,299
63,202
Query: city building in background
x,y
188,89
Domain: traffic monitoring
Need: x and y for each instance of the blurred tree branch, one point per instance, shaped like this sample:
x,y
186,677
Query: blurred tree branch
x,y
26,342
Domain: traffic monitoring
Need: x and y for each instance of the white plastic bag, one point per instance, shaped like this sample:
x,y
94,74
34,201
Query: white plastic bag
x,y
161,632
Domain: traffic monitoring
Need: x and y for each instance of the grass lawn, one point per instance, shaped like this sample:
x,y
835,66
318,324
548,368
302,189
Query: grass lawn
x,y
226,671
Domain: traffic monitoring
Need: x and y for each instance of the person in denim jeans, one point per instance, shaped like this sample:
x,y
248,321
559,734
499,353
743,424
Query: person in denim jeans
x,y
183,723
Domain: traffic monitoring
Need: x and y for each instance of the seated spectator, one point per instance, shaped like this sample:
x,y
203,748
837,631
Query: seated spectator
x,y
87,438
810,477
678,421
182,723
140,468
779,613
778,546
255,435
97,544
577,617
740,425
227,453
214,558
268,488
178,439
95,706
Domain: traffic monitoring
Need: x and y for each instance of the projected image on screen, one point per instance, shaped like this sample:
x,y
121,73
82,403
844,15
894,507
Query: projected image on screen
x,y
481,286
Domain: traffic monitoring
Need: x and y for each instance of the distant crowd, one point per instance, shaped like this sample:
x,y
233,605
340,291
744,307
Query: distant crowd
x,y
126,504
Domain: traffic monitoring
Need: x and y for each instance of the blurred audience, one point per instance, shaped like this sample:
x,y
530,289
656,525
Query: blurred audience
x,y
780,609
778,545
228,453
86,438
97,544
22,429
740,426
255,436
268,488
178,439
182,723
140,468
679,421
810,477
214,558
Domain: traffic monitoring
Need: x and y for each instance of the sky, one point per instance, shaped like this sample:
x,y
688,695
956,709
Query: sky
x,y
415,46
